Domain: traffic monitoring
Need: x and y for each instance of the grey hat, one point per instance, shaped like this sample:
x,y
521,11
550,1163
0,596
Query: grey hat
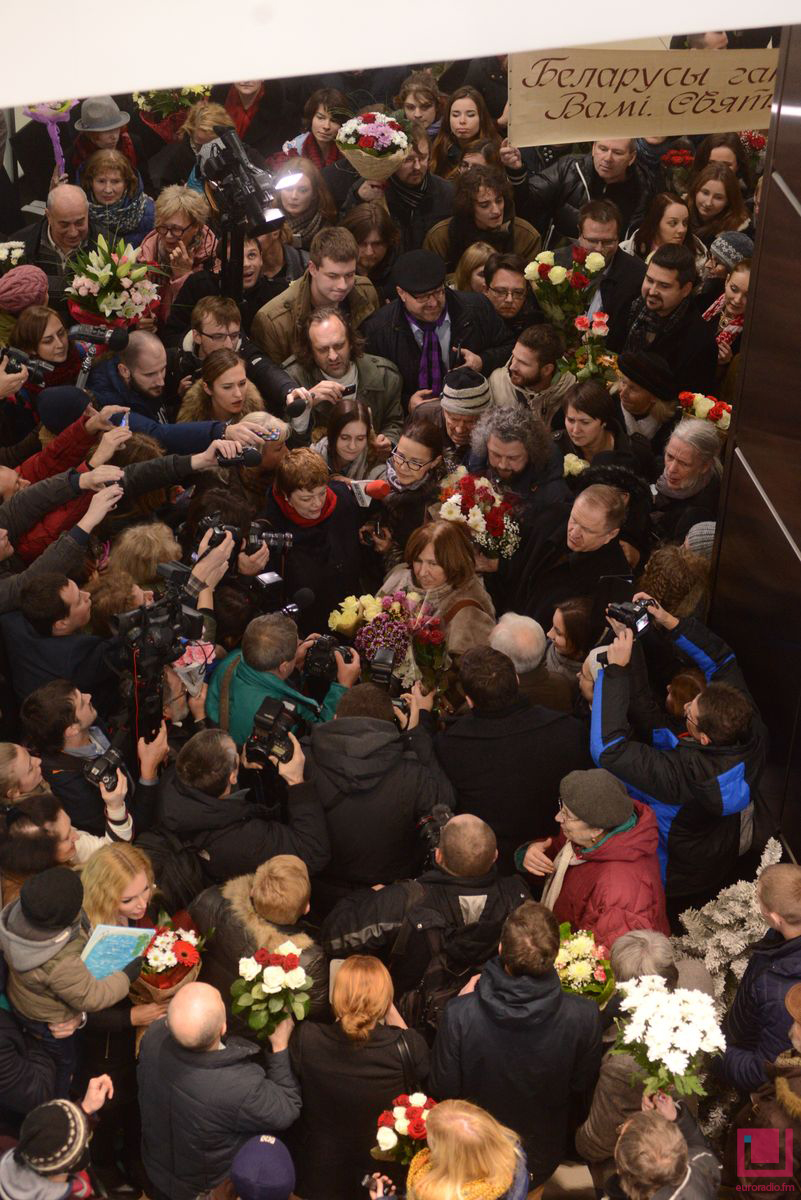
x,y
101,114
732,247
596,798
465,392
701,538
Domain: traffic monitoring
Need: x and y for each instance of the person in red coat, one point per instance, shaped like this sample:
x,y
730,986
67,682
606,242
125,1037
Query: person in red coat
x,y
602,871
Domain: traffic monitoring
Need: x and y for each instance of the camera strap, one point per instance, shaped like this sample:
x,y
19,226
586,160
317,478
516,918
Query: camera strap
x,y
457,608
225,691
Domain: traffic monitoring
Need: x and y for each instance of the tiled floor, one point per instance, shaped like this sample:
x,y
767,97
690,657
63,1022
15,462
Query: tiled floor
x,y
570,1180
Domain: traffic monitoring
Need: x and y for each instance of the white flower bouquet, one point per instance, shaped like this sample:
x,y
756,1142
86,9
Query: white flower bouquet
x,y
401,1129
11,255
110,284
583,965
272,985
668,1033
564,293
374,144
573,465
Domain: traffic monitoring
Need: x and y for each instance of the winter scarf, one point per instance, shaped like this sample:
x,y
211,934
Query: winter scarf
x,y
304,228
646,326
727,333
463,234
476,1189
305,522
431,371
84,148
685,493
408,197
115,220
240,115
63,373
311,150
397,486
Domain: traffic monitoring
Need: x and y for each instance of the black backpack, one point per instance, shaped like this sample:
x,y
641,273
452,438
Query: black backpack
x,y
455,951
178,868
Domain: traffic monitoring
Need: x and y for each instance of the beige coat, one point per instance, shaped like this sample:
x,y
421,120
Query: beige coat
x,y
471,626
527,240
274,325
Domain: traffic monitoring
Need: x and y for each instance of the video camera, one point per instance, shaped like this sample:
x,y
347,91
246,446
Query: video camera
x,y
243,194
270,737
633,614
17,359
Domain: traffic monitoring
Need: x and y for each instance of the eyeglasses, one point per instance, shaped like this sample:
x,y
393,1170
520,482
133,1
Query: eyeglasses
x,y
514,293
601,243
437,291
233,336
173,230
413,464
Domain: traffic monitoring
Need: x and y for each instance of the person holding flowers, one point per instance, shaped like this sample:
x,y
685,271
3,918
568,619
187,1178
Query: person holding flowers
x,y
468,1150
615,838
349,1072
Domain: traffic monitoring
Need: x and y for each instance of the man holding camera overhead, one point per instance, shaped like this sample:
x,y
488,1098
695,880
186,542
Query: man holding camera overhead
x,y
701,787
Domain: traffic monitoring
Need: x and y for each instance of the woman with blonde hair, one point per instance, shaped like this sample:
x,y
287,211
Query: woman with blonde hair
x,y
140,548
469,273
180,243
223,392
469,1156
117,890
349,1072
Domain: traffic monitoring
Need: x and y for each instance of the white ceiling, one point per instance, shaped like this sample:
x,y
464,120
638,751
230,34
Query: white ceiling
x,y
55,49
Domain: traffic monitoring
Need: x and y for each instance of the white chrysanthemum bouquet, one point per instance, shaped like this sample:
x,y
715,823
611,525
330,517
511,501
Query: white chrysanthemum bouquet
x,y
668,1034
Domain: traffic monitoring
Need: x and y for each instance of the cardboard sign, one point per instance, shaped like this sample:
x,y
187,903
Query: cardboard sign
x,y
577,95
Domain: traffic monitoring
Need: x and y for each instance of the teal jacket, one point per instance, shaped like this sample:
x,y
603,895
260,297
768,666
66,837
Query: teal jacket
x,y
248,688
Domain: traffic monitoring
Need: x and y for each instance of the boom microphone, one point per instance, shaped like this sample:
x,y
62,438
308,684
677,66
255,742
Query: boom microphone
x,y
100,335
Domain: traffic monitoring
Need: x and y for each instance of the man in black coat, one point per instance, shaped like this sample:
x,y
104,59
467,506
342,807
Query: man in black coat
x,y
430,328
202,1095
506,758
665,320
599,223
518,1045
50,241
416,199
610,171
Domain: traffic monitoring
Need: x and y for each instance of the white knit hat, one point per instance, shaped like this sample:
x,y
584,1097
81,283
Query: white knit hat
x,y
465,392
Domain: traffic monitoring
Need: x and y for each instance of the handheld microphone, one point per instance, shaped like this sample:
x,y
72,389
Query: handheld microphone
x,y
100,335
303,599
250,456
295,407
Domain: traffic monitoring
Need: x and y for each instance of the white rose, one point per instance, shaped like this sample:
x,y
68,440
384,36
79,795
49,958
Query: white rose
x,y
387,1139
557,275
248,968
475,520
417,1099
703,405
399,1112
273,979
402,1126
594,262
295,978
724,421
545,256
290,947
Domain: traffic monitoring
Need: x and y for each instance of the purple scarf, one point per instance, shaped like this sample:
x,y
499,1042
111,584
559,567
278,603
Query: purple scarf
x,y
430,372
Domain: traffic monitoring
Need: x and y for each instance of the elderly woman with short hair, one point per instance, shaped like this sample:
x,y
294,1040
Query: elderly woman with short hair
x,y
180,243
688,490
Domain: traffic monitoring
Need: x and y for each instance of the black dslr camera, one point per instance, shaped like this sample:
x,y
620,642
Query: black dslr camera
x,y
270,736
17,359
103,769
260,535
320,662
214,522
633,614
381,675
431,827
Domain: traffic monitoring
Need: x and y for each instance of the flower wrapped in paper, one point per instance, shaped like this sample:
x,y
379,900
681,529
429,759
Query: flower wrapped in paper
x,y
583,966
110,286
374,144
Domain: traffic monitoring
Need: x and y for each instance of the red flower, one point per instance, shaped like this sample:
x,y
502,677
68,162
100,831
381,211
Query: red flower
x,y
275,960
579,254
417,1129
368,118
393,124
686,400
400,1101
430,1103
686,395
495,523
715,413
262,957
291,961
366,141
578,281
413,1113
542,270
436,638
186,953
386,1120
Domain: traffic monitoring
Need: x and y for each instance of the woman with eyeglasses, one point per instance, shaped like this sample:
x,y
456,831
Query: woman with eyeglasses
x,y
180,243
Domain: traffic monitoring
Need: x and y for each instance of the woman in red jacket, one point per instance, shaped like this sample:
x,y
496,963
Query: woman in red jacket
x,y
602,870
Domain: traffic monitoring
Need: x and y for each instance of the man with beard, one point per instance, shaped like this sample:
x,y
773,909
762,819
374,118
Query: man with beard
x,y
529,377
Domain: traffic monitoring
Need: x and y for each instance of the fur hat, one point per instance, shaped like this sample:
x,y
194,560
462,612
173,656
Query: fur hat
x,y
465,392
53,898
54,1138
596,798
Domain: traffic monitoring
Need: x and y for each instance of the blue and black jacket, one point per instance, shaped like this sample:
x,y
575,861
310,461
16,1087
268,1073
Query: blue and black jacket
x,y
701,795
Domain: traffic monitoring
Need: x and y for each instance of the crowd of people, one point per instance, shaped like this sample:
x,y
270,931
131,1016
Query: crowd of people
x,y
187,742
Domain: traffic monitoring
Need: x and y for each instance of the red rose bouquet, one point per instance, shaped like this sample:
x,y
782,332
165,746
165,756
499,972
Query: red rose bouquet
x,y
706,408
678,164
172,960
473,500
564,293
272,985
590,359
401,1130
754,144
428,647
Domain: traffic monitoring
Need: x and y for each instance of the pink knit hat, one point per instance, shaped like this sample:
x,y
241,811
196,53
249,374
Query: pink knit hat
x,y
22,286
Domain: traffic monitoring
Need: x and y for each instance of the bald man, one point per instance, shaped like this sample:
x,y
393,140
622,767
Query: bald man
x,y
203,1094
461,899
51,241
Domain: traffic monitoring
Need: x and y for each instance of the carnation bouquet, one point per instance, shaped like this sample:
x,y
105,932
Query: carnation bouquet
x,y
564,293
473,501
164,109
11,255
583,966
109,285
401,1130
590,359
706,408
387,631
374,144
667,1033
272,985
678,163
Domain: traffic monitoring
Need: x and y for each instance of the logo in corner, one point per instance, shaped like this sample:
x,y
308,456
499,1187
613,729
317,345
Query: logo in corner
x,y
759,1152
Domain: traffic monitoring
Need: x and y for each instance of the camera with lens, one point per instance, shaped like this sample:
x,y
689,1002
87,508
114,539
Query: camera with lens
x,y
215,523
320,662
270,736
103,769
260,535
431,827
633,614
17,359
